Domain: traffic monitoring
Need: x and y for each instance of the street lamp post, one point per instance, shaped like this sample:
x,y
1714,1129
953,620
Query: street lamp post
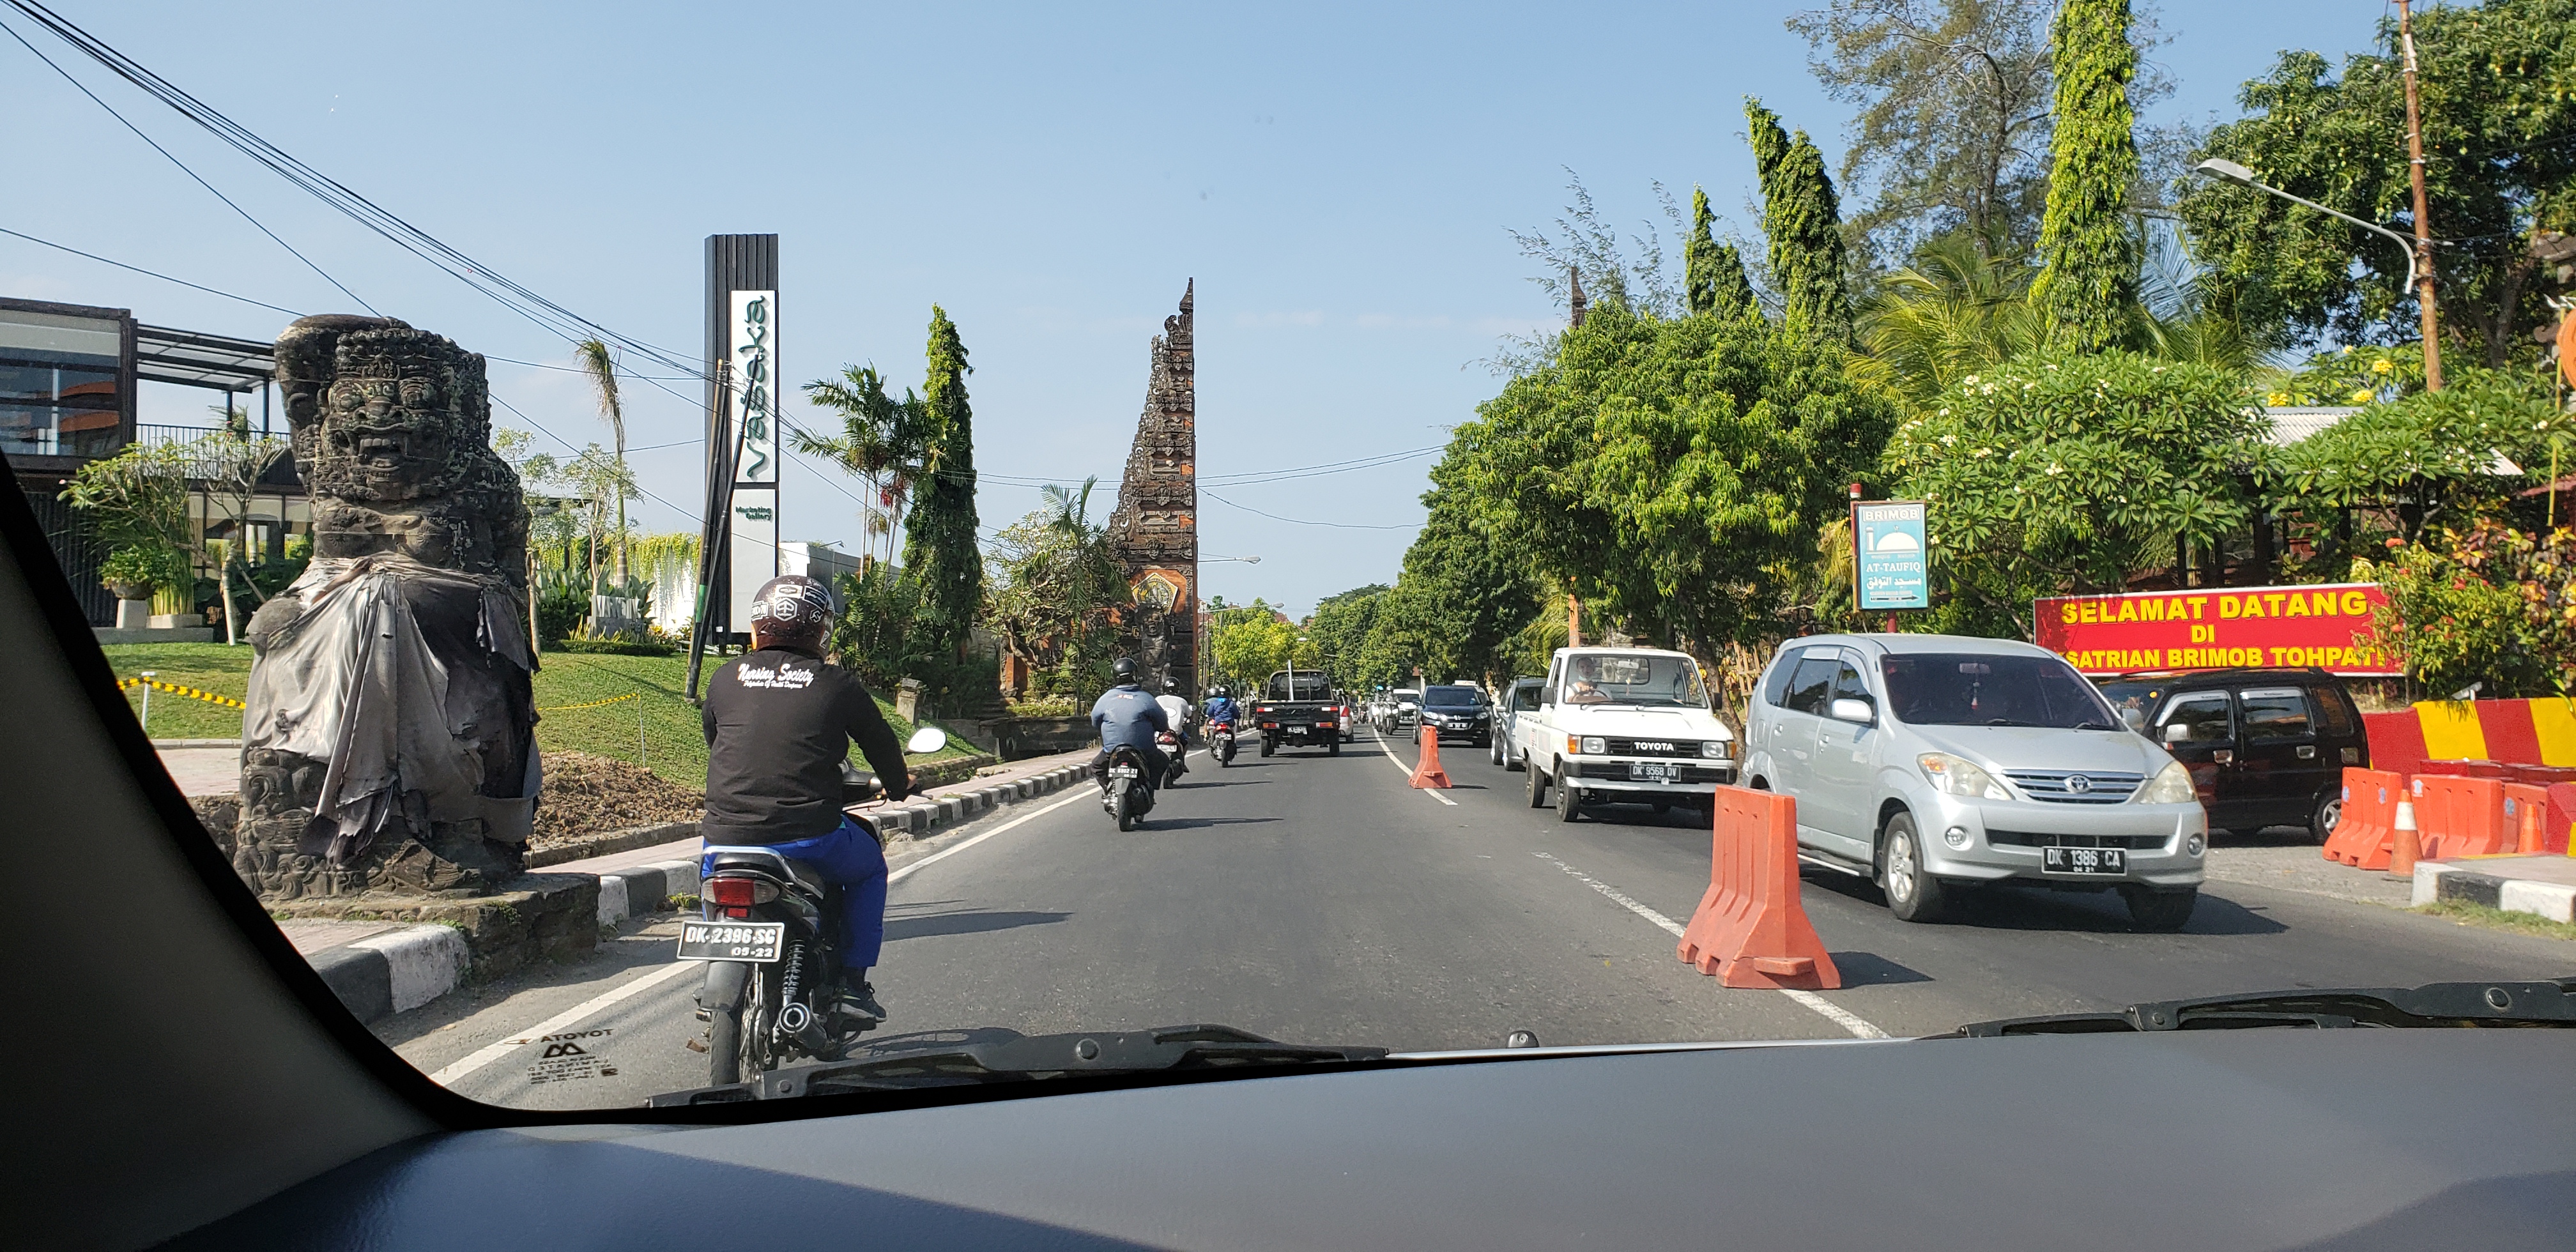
x,y
2416,268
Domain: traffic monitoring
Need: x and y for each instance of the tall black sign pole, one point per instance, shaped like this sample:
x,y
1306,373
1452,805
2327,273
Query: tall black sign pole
x,y
736,266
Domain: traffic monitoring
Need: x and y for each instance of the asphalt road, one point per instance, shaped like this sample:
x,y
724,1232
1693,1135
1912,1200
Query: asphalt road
x,y
1320,899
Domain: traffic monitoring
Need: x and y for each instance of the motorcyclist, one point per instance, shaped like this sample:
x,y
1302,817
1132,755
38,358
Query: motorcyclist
x,y
1220,708
1179,714
1127,717
779,722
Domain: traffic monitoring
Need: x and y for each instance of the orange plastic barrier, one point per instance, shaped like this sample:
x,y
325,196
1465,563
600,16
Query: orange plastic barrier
x,y
1751,930
2460,816
2526,813
1427,772
2560,833
2363,836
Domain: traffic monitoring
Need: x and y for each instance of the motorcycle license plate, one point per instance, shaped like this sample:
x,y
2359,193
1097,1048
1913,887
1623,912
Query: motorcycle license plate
x,y
1122,771
732,941
2083,861
1643,771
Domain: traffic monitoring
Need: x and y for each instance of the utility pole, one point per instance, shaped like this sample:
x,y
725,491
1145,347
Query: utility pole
x,y
2423,212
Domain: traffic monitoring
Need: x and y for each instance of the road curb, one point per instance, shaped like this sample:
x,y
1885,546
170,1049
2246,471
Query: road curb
x,y
2435,881
394,972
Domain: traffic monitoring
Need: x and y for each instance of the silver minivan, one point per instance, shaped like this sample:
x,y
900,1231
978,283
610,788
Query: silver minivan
x,y
1934,762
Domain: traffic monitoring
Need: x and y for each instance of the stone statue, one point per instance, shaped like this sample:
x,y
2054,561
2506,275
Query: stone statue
x,y
389,740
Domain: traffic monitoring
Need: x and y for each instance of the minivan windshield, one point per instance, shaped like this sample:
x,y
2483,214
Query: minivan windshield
x,y
1973,689
1665,681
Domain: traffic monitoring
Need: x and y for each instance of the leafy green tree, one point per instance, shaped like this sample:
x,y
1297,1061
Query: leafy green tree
x,y
1953,121
2436,458
883,442
1046,591
1957,310
2498,108
1462,596
600,367
1340,627
1253,640
2485,604
1671,473
2063,473
940,544
136,503
1802,221
1714,277
2088,277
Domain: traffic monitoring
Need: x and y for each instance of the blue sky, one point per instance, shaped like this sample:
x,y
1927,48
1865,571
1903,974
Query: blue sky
x,y
1339,179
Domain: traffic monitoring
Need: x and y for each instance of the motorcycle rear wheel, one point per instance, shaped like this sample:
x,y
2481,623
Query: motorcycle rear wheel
x,y
738,1041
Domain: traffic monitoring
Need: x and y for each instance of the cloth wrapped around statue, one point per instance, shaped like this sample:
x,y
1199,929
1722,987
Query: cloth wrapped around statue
x,y
407,685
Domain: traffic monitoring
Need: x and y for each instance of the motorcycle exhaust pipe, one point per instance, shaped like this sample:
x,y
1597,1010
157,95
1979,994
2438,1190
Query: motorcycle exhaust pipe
x,y
797,1022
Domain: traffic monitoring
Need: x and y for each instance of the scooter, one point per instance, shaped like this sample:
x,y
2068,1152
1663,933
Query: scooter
x,y
1176,759
1221,743
768,929
1126,787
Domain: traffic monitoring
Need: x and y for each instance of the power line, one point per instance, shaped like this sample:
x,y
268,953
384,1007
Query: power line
x,y
146,273
1299,521
183,166
527,303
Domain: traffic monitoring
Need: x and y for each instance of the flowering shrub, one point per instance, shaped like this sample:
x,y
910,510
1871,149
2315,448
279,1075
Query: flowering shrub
x,y
2488,605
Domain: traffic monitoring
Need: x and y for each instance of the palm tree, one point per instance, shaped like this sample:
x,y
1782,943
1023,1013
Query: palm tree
x,y
602,369
1070,521
1956,310
883,442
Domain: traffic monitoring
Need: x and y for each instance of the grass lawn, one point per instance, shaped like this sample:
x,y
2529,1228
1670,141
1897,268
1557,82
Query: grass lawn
x,y
673,745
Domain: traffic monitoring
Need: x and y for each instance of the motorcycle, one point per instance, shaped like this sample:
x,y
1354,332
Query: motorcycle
x,y
1126,787
1176,759
768,930
1221,743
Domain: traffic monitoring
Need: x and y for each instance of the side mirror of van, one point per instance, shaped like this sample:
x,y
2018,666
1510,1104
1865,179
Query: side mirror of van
x,y
2177,732
926,740
1848,709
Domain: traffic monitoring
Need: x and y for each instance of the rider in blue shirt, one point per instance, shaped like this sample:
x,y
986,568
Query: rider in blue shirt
x,y
1221,708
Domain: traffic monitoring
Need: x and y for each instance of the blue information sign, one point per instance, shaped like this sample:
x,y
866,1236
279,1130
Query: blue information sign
x,y
1888,537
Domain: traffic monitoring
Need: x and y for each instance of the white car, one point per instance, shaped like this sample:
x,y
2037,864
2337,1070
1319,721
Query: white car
x,y
1623,726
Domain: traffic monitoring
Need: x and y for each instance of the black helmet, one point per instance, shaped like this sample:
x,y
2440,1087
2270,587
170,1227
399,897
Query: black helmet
x,y
1217,691
792,606
1123,669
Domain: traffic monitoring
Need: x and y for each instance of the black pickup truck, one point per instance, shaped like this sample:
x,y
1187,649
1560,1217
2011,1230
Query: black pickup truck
x,y
1297,708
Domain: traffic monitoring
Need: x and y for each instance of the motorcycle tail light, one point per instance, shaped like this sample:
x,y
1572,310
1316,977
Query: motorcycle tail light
x,y
740,892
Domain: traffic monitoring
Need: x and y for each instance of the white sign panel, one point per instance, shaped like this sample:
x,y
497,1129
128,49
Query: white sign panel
x,y
753,401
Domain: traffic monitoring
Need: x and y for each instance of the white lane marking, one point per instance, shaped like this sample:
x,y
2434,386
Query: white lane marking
x,y
1858,1026
563,1021
945,853
573,1016
1407,771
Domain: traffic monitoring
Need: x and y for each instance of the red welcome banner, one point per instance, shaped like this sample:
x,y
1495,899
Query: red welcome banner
x,y
2327,626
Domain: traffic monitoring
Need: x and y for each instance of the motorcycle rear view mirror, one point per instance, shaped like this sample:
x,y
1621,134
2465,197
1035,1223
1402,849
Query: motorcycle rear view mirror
x,y
926,740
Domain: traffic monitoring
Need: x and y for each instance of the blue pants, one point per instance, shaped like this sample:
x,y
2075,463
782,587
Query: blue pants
x,y
851,860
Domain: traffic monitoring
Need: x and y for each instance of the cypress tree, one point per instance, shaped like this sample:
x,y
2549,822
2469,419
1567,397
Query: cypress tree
x,y
2089,274
939,546
1802,221
1714,272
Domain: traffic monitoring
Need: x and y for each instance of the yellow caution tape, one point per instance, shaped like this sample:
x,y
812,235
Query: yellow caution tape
x,y
128,684
566,708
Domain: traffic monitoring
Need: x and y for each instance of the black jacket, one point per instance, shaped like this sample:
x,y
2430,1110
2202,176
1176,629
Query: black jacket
x,y
779,722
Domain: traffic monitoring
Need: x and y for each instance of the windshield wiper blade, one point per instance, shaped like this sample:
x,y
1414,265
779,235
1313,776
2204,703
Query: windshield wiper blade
x,y
1005,1057
2440,1005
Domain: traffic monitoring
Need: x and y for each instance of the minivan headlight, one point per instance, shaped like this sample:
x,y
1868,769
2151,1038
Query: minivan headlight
x,y
2171,785
1715,749
1960,777
1594,745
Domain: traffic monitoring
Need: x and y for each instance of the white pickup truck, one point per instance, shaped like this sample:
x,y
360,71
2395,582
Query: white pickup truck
x,y
1623,726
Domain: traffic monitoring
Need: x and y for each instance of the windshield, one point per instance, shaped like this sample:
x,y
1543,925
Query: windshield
x,y
1965,689
513,621
1663,681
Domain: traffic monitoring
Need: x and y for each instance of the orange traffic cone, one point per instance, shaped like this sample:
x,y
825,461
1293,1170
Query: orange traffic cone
x,y
1428,773
2409,843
